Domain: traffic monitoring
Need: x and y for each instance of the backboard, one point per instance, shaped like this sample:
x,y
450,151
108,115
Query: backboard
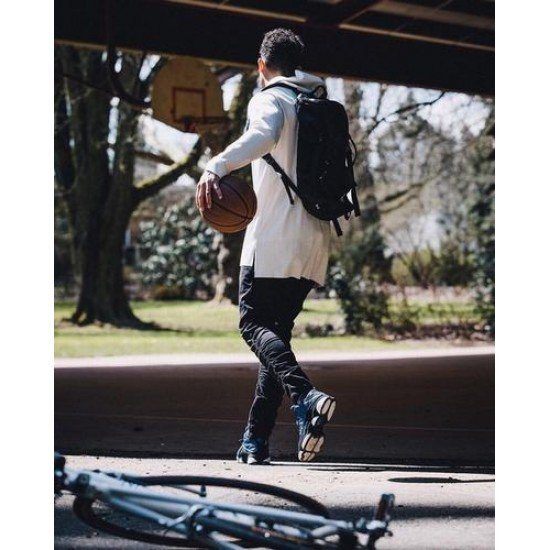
x,y
188,96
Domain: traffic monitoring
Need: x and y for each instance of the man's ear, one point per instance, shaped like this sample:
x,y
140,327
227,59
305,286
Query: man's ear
x,y
261,65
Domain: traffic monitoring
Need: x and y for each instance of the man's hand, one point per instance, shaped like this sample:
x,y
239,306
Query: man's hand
x,y
203,195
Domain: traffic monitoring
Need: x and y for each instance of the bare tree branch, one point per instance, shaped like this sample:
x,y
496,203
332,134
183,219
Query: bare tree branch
x,y
405,109
159,158
381,93
409,193
150,186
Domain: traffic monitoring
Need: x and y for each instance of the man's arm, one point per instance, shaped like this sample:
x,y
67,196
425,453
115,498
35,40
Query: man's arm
x,y
265,124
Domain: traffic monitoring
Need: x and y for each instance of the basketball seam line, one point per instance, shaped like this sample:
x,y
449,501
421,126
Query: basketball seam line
x,y
243,200
231,211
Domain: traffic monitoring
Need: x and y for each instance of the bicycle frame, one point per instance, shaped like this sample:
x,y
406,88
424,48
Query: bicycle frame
x,y
207,521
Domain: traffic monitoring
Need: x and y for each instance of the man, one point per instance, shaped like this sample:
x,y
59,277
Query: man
x,y
284,255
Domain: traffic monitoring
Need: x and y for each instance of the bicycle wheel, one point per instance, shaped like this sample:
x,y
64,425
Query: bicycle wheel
x,y
100,516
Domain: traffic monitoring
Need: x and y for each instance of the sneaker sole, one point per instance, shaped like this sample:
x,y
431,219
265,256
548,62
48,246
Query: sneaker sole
x,y
325,408
252,461
313,440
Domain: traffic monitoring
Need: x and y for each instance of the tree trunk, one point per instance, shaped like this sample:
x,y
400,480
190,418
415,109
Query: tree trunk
x,y
102,297
229,252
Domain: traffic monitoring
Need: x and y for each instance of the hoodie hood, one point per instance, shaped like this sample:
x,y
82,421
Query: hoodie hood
x,y
304,82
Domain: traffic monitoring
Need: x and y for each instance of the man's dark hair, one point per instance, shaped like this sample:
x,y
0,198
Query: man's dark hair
x,y
283,50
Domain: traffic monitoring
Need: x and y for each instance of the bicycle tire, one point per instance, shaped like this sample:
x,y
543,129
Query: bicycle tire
x,y
83,507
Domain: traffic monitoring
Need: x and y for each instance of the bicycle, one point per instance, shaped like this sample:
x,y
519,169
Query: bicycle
x,y
115,502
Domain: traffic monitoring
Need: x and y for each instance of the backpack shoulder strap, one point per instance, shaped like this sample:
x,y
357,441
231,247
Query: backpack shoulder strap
x,y
280,85
336,224
288,183
355,202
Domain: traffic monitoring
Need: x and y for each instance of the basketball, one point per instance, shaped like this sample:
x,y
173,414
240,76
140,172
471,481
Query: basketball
x,y
235,210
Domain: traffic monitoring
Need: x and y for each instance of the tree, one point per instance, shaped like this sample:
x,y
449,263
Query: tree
x,y
361,262
94,167
365,232
482,211
415,161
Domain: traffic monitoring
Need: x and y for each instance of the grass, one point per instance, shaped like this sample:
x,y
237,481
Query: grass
x,y
201,327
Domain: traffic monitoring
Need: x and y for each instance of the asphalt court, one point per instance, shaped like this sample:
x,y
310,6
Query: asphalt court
x,y
436,506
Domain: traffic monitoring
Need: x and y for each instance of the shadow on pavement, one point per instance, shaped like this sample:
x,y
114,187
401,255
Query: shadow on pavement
x,y
416,512
443,469
437,480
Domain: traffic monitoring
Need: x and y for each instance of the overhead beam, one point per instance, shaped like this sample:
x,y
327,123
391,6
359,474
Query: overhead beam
x,y
233,38
347,14
261,9
429,31
343,12
437,15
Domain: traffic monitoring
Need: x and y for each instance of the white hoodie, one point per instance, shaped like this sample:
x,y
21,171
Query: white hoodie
x,y
283,240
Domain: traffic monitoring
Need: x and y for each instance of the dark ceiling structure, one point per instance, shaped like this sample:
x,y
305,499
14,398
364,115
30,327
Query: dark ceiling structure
x,y
439,44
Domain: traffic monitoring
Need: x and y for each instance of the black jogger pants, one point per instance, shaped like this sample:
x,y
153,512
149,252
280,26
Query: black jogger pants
x,y
268,307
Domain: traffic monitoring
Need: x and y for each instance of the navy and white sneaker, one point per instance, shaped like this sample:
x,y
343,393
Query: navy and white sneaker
x,y
312,413
253,450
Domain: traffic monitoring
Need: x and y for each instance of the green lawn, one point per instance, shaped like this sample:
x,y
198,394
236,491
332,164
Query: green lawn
x,y
198,327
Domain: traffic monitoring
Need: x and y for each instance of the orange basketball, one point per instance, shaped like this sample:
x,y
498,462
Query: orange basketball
x,y
235,210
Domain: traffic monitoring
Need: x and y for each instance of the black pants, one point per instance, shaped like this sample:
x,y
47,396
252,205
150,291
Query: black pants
x,y
268,308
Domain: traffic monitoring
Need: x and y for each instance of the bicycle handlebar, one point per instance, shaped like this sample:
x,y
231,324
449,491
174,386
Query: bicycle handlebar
x,y
58,471
384,508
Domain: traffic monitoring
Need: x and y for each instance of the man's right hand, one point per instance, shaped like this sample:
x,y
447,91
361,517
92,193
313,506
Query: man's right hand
x,y
203,196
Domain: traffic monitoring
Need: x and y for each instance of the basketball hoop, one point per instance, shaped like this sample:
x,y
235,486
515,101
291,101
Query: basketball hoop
x,y
188,96
199,125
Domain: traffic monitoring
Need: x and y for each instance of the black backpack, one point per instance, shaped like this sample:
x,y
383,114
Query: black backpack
x,y
326,154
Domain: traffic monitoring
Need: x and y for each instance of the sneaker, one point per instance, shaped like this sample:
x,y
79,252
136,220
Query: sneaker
x,y
312,412
253,450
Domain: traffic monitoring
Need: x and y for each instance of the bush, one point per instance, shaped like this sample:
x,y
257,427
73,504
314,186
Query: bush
x,y
450,266
361,300
401,274
180,259
454,266
417,268
405,317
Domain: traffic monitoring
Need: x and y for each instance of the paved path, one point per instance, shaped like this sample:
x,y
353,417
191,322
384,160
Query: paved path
x,y
436,508
416,405
193,359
